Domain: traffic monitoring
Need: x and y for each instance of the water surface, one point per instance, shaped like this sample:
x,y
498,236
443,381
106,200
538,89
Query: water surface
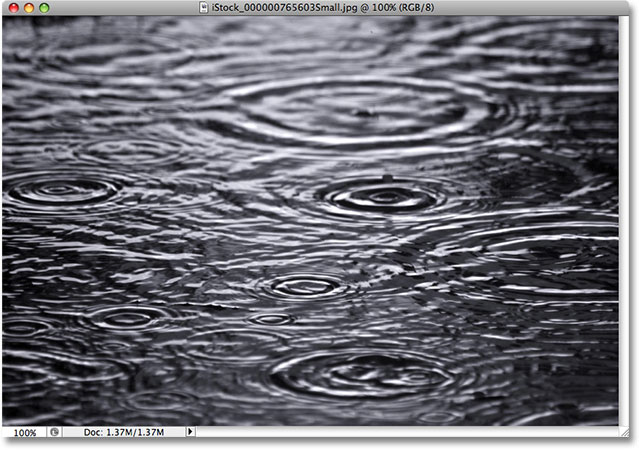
x,y
310,221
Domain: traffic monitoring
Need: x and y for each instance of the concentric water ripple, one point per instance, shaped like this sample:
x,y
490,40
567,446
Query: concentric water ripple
x,y
325,221
306,287
560,315
60,193
574,42
273,319
22,327
378,199
22,375
335,282
440,418
430,188
294,48
535,261
540,54
131,319
365,110
232,346
128,151
386,195
394,383
570,415
154,401
84,194
67,55
363,374
69,368
350,201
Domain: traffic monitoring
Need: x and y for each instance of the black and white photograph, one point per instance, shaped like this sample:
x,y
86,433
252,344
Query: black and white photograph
x,y
310,221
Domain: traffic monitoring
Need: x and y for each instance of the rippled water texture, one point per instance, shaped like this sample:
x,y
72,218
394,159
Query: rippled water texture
x,y
310,221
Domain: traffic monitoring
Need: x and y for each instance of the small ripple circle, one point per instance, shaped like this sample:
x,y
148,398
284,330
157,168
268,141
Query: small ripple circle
x,y
61,192
384,195
64,191
305,287
273,319
440,418
130,318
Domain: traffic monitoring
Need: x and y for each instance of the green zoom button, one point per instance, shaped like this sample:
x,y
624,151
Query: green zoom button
x,y
44,7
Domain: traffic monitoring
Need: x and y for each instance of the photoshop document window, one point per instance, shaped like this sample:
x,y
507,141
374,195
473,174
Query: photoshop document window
x,y
354,218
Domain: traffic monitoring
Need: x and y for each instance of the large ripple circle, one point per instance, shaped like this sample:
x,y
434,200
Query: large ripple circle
x,y
364,110
569,259
363,374
21,327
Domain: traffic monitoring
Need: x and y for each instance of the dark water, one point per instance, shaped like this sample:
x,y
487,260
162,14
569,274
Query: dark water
x,y
310,221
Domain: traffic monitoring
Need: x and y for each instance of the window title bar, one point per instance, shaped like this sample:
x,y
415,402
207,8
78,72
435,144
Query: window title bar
x,y
306,8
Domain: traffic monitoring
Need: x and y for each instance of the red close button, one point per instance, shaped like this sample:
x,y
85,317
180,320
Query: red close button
x,y
14,8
